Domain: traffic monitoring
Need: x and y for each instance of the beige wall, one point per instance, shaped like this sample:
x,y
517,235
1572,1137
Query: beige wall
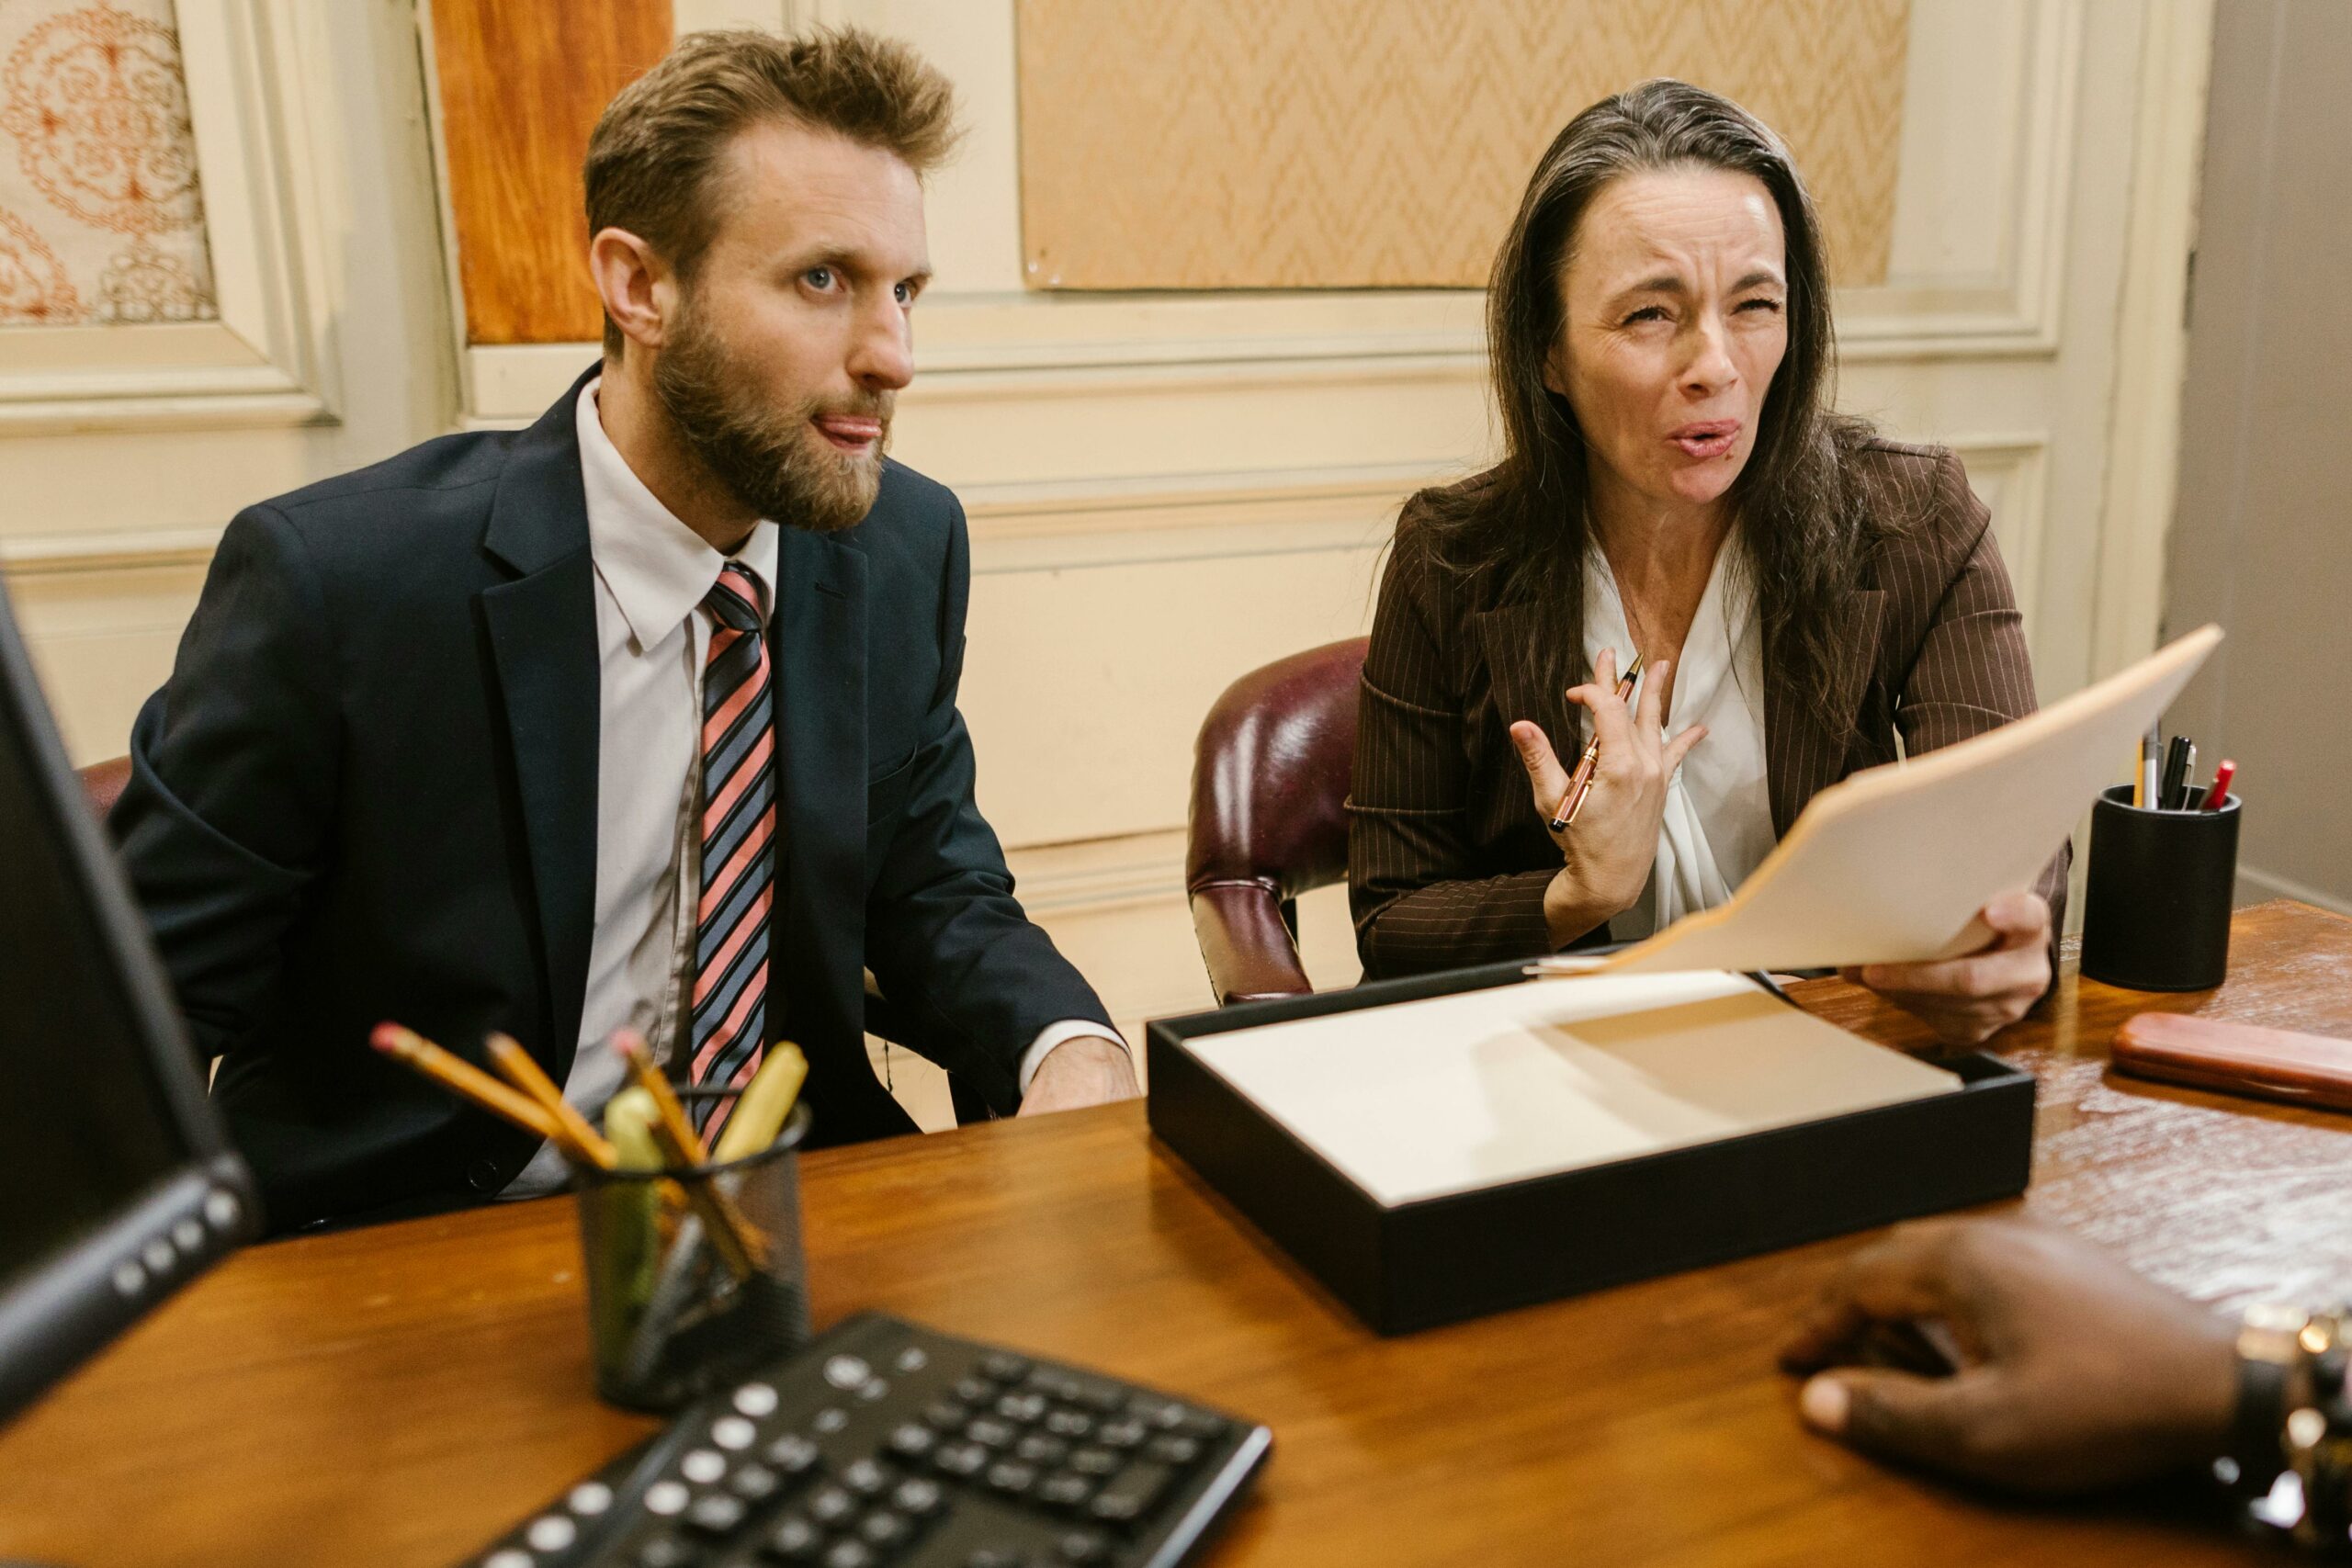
x,y
1167,491
2264,539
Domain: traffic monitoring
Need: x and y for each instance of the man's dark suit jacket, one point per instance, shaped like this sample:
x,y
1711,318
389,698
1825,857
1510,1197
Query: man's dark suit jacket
x,y
368,792
1447,857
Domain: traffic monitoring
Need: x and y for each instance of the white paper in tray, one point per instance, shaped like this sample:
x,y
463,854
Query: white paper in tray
x,y
1417,1100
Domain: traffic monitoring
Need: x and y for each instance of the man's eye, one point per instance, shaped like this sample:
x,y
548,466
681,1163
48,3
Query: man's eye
x,y
819,277
1647,314
905,293
1759,305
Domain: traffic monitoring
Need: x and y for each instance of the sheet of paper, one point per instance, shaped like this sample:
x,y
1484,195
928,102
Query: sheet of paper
x,y
1420,1098
1893,864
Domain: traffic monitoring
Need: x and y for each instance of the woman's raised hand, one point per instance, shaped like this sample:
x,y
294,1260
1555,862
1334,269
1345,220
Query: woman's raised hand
x,y
1608,853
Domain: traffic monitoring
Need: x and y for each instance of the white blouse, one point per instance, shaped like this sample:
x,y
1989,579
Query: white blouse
x,y
1718,822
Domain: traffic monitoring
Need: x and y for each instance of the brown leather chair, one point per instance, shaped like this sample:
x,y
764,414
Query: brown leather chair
x,y
103,782
1268,816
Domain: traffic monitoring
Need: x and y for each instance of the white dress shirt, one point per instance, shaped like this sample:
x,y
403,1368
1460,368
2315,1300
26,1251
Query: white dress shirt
x,y
1718,823
652,572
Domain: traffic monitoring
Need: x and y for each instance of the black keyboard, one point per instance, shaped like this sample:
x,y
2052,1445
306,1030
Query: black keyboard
x,y
888,1443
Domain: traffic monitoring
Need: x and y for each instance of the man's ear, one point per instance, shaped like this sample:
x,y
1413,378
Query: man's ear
x,y
636,286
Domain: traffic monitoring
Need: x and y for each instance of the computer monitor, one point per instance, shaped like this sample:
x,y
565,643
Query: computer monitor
x,y
118,1184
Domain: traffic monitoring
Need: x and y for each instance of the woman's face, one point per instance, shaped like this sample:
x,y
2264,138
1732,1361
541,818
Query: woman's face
x,y
1676,296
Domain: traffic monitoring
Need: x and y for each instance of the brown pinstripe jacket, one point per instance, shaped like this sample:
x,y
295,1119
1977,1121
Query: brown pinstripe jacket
x,y
1447,862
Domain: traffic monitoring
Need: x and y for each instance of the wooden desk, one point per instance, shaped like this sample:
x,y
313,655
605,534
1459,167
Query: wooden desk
x,y
399,1395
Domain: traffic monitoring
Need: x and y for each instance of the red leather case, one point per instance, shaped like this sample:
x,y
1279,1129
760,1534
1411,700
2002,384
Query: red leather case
x,y
2237,1059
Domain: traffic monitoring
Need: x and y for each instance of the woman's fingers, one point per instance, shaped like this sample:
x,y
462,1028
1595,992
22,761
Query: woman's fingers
x,y
1651,698
1680,747
1544,776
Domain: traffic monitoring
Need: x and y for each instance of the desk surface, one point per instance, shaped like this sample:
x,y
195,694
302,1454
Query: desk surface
x,y
399,1395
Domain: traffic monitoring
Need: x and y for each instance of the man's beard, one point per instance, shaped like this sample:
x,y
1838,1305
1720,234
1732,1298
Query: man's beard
x,y
771,459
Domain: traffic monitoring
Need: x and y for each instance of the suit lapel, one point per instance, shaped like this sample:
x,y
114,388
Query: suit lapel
x,y
1504,634
1800,757
542,628
817,643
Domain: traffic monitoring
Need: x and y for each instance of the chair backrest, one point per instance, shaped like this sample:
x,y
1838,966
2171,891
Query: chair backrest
x,y
1269,775
103,782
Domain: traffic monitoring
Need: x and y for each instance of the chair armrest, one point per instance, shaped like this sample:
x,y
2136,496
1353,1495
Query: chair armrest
x,y
1249,952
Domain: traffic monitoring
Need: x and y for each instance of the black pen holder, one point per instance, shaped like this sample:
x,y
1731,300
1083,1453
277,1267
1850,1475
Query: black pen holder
x,y
695,1278
2156,909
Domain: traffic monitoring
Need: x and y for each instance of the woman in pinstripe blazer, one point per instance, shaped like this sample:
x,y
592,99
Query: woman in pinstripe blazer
x,y
1673,475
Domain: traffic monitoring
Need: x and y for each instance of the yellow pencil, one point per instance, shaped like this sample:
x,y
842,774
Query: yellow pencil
x,y
739,1242
463,1078
579,1141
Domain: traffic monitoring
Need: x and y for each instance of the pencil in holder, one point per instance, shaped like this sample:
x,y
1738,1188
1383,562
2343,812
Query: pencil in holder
x,y
2160,886
695,1278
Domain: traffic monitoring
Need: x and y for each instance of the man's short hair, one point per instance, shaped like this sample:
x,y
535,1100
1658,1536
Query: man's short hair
x,y
653,162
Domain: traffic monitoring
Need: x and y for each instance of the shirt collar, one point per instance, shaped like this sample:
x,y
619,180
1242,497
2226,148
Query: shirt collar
x,y
658,569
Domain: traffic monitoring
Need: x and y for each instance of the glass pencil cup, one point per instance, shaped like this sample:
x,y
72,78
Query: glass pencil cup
x,y
695,1277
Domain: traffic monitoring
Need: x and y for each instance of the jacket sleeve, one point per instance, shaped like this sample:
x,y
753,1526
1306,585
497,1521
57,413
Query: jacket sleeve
x,y
1973,672
233,764
1419,901
970,981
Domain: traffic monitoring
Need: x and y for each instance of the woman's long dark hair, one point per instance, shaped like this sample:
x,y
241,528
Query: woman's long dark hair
x,y
1520,530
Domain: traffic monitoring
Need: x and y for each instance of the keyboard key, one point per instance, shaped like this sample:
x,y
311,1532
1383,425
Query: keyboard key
x,y
733,1433
917,1498
885,1530
1004,1366
911,1439
1108,1398
1039,1448
1082,1547
913,1358
1021,1408
666,1549
866,1478
961,1458
832,1505
1174,1451
1202,1426
845,1373
703,1466
1154,1412
755,1483
1131,1493
1066,1490
1095,1462
989,1432
590,1498
794,1540
757,1400
946,1416
1012,1477
551,1533
666,1497
1120,1434
849,1554
793,1455
716,1515
975,1390
1057,1385
1070,1424
832,1418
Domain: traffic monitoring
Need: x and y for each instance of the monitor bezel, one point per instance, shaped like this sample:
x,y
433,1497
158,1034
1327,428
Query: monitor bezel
x,y
64,1309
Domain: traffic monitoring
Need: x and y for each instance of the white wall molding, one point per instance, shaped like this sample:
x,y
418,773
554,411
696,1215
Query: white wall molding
x,y
262,363
2017,464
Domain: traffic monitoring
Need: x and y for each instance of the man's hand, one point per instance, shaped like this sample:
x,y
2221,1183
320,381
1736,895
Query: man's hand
x,y
1086,1070
2075,1372
1967,998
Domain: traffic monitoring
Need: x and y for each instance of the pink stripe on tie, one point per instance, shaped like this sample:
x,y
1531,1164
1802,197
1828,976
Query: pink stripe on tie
x,y
715,728
724,1035
708,979
714,891
753,761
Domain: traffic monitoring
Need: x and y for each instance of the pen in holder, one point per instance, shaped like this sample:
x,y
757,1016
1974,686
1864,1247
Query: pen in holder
x,y
2156,907
677,1309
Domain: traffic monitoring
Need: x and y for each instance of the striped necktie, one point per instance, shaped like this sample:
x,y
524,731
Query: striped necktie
x,y
738,830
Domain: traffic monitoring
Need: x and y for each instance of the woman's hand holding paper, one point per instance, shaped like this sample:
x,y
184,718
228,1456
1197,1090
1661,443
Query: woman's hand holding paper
x,y
1609,850
1968,998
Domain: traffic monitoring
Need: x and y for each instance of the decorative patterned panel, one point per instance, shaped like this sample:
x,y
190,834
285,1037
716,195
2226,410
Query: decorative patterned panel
x,y
101,213
1385,143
